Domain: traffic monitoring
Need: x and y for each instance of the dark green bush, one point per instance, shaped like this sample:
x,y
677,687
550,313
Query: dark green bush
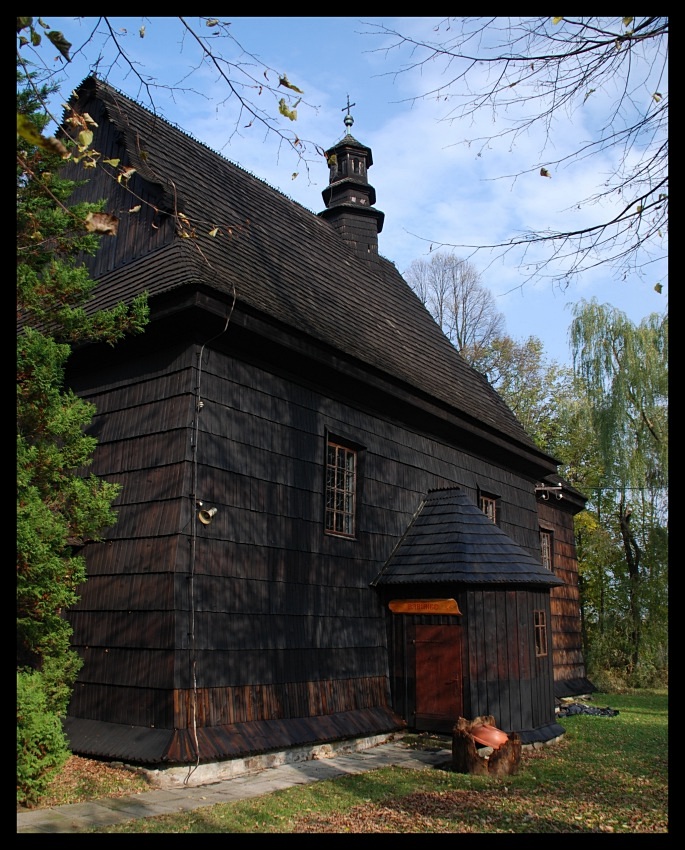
x,y
41,744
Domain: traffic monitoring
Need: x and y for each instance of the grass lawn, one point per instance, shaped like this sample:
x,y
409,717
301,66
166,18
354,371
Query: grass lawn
x,y
607,775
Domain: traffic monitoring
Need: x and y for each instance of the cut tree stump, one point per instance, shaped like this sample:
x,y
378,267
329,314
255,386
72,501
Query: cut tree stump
x,y
502,761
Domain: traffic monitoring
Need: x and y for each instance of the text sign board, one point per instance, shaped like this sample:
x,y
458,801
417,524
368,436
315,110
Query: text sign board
x,y
424,606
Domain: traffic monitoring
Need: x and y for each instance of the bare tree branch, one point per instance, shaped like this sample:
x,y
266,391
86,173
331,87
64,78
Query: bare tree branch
x,y
539,72
451,290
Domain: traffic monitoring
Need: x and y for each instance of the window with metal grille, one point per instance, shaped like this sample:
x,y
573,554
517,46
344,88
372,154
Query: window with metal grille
x,y
540,633
547,548
341,489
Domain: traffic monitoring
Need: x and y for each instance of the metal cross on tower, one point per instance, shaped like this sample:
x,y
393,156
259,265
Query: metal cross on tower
x,y
349,120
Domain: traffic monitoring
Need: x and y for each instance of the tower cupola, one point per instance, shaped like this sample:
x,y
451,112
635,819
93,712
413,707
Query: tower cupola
x,y
348,197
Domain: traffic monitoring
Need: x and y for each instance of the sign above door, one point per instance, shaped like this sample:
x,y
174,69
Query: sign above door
x,y
424,606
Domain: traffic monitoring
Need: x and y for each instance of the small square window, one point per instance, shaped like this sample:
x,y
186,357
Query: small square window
x,y
540,619
341,489
488,504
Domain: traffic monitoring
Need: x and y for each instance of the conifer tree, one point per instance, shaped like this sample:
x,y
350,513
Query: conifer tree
x,y
60,507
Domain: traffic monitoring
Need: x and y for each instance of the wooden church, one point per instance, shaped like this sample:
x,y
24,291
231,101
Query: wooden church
x,y
330,526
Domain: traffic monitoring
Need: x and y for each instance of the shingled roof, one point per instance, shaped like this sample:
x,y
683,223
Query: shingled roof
x,y
451,540
288,264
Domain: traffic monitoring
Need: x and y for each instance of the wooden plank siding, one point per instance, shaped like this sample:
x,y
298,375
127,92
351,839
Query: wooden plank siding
x,y
152,221
287,700
276,602
501,675
557,517
259,630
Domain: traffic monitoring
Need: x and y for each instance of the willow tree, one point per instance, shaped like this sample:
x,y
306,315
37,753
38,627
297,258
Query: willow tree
x,y
624,368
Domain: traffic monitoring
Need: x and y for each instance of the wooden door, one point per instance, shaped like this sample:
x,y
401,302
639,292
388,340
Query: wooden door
x,y
438,677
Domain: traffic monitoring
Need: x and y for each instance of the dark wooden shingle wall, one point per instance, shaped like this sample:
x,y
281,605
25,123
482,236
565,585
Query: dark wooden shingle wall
x,y
281,614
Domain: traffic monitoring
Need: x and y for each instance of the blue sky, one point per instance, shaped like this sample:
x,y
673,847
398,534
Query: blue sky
x,y
430,188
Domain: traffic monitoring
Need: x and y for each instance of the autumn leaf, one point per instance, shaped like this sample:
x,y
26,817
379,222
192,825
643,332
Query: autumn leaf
x,y
293,175
657,96
545,173
213,231
556,21
284,81
60,43
658,288
28,131
284,110
85,139
54,145
126,173
102,223
212,22
113,162
141,32
135,209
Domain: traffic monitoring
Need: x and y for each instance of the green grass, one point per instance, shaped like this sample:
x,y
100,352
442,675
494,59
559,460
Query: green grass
x,y
608,774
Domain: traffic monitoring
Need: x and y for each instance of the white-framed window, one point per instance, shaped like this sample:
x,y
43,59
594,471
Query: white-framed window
x,y
488,504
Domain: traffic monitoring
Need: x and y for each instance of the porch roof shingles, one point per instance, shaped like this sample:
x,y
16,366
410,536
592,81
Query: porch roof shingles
x,y
451,540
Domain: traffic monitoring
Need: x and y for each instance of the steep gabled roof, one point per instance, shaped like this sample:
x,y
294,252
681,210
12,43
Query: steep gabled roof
x,y
451,540
290,265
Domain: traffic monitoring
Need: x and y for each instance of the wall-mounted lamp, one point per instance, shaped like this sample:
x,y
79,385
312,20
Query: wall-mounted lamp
x,y
206,515
543,492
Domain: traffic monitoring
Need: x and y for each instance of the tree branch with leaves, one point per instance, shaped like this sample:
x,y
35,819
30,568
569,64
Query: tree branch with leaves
x,y
210,44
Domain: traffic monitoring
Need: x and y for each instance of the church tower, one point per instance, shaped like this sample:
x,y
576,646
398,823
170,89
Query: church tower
x,y
349,198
